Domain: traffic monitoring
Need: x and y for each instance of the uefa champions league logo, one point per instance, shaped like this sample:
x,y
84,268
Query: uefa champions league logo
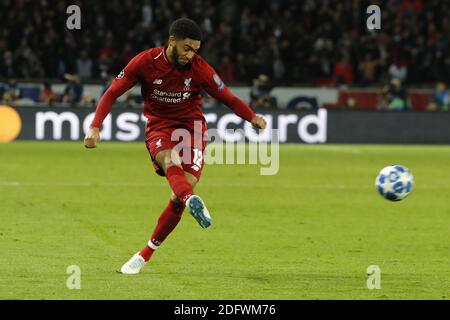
x,y
219,82
120,75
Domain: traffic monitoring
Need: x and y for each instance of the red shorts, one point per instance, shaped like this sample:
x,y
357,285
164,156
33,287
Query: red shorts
x,y
190,148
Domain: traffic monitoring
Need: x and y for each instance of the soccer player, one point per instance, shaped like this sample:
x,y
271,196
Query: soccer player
x,y
172,78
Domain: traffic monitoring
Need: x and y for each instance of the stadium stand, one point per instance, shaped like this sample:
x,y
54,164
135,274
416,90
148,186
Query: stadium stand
x,y
296,43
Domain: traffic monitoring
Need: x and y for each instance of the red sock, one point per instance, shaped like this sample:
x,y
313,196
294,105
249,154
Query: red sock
x,y
166,223
180,186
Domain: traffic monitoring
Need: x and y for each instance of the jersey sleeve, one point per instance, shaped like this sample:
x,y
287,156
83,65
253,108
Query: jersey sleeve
x,y
214,85
126,79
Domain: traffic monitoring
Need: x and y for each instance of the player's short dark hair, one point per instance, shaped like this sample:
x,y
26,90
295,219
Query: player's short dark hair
x,y
185,28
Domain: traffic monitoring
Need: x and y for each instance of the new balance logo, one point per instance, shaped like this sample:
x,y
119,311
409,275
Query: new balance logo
x,y
157,81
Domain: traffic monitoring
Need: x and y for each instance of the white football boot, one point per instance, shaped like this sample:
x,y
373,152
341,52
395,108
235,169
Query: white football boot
x,y
134,265
198,210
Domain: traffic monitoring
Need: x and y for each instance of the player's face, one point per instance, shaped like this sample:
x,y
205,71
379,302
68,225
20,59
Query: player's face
x,y
184,50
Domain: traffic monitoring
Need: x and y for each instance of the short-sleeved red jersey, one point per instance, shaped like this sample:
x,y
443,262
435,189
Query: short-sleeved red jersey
x,y
172,95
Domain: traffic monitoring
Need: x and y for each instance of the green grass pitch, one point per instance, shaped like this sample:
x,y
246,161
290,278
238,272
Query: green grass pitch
x,y
309,232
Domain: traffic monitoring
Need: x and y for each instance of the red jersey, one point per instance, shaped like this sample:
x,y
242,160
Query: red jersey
x,y
172,96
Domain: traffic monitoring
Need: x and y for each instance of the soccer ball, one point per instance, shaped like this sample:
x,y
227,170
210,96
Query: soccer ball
x,y
394,183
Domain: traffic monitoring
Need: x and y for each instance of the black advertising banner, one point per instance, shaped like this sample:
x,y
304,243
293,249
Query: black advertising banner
x,y
320,126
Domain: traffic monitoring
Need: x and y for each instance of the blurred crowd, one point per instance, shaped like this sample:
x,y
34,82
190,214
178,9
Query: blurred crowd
x,y
258,43
315,42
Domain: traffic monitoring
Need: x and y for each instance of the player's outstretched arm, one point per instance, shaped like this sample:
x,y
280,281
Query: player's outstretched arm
x,y
216,88
239,107
117,88
121,84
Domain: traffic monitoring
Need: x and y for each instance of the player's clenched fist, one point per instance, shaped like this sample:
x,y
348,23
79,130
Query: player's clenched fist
x,y
92,137
259,122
